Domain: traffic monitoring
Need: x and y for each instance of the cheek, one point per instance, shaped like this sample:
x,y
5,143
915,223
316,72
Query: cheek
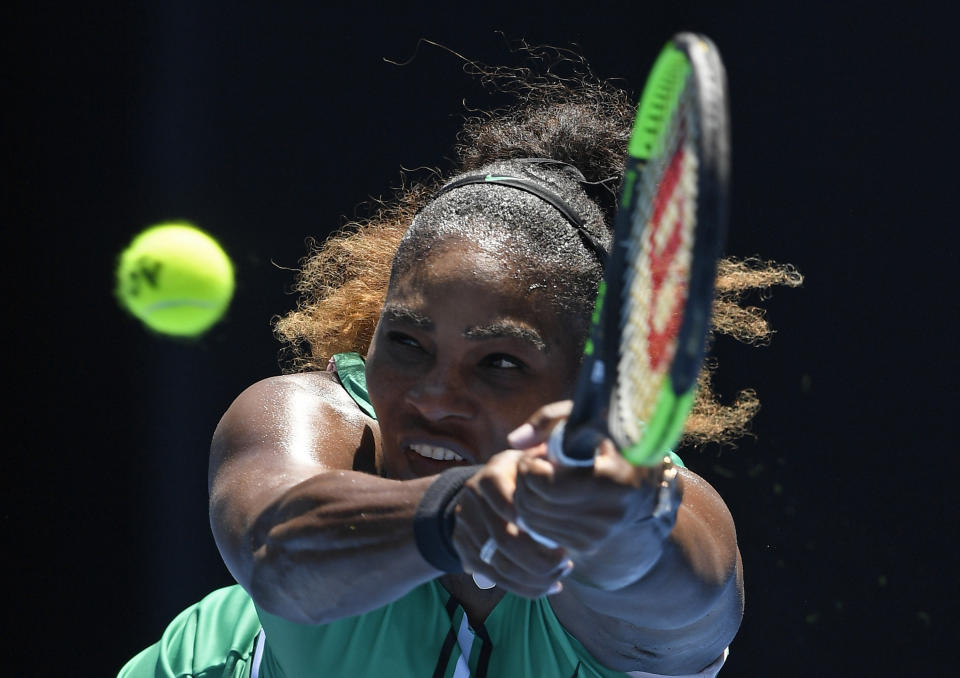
x,y
378,379
506,414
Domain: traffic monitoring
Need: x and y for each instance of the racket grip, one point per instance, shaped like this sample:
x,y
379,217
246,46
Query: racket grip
x,y
556,453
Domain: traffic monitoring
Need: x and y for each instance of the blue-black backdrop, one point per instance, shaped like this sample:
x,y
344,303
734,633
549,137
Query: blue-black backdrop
x,y
268,123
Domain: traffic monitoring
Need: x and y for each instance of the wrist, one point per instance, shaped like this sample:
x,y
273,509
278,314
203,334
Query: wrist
x,y
629,554
435,517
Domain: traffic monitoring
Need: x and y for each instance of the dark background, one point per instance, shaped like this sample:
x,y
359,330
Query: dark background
x,y
268,124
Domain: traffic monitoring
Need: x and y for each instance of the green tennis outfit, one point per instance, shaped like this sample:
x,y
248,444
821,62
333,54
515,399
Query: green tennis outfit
x,y
424,634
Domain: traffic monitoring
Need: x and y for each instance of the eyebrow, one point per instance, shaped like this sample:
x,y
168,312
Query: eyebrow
x,y
404,314
399,313
498,330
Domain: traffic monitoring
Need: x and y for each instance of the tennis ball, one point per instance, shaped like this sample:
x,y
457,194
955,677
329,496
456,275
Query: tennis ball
x,y
176,279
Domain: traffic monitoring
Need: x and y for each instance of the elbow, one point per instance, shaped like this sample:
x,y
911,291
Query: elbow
x,y
263,567
702,552
692,648
291,575
257,568
270,589
700,598
715,604
723,618
299,585
707,637
232,542
730,607
721,596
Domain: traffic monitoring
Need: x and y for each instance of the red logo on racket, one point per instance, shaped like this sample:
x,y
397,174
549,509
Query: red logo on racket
x,y
668,284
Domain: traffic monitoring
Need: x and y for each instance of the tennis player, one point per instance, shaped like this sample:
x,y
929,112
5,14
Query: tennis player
x,y
434,348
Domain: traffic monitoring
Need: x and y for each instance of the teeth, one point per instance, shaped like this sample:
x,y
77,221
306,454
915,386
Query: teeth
x,y
434,452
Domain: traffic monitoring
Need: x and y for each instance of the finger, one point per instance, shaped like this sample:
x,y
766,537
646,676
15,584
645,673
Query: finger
x,y
475,519
575,514
535,469
609,464
582,532
529,555
478,528
524,587
497,484
501,568
541,481
517,577
482,524
517,551
537,429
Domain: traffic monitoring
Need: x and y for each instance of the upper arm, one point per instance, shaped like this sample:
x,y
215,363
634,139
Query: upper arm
x,y
276,434
679,616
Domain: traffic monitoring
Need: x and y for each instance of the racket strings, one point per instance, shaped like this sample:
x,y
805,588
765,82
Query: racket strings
x,y
656,279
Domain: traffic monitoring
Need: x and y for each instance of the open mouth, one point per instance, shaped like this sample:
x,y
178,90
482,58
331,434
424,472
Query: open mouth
x,y
427,459
435,452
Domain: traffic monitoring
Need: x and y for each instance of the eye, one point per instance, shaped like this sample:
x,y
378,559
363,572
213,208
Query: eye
x,y
401,339
503,361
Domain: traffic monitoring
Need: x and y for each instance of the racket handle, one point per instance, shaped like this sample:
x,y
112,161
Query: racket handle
x,y
556,453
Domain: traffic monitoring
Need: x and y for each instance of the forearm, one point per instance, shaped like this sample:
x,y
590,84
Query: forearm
x,y
640,629
680,609
665,584
656,577
337,544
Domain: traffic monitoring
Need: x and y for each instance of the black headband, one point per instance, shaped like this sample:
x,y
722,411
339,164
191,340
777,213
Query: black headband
x,y
536,189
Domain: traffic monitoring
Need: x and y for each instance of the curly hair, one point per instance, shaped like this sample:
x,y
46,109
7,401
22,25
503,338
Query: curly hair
x,y
576,119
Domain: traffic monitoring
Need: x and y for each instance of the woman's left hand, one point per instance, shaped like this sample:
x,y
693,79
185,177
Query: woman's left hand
x,y
584,509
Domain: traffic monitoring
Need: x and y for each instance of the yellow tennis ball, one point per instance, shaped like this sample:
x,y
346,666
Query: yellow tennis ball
x,y
176,279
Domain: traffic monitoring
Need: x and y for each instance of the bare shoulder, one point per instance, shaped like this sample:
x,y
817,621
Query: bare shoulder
x,y
305,418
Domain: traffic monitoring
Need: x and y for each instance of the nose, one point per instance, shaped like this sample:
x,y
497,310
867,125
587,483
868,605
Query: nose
x,y
440,394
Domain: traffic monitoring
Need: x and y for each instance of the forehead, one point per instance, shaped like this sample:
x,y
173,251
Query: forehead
x,y
457,260
474,277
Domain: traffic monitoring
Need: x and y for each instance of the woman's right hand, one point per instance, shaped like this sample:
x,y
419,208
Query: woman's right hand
x,y
485,512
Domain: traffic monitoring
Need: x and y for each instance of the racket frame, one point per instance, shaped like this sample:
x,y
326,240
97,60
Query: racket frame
x,y
686,57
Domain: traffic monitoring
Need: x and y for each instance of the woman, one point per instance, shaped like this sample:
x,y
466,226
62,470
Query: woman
x,y
353,503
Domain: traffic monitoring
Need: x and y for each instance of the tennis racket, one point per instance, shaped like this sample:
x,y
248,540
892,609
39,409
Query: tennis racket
x,y
652,316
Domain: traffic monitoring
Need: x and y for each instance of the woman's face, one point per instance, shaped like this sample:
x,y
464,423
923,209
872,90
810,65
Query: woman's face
x,y
462,355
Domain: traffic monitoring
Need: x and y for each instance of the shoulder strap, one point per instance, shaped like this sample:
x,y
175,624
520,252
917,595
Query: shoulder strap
x,y
352,375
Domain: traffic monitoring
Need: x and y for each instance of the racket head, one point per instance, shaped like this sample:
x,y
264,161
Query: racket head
x,y
649,332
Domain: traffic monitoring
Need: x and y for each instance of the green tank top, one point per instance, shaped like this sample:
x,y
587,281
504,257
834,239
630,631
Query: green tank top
x,y
423,634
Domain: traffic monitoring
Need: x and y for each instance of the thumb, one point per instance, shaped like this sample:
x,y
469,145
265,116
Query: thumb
x,y
537,428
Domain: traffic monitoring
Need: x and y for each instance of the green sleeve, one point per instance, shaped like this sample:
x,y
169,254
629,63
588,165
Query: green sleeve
x,y
214,637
